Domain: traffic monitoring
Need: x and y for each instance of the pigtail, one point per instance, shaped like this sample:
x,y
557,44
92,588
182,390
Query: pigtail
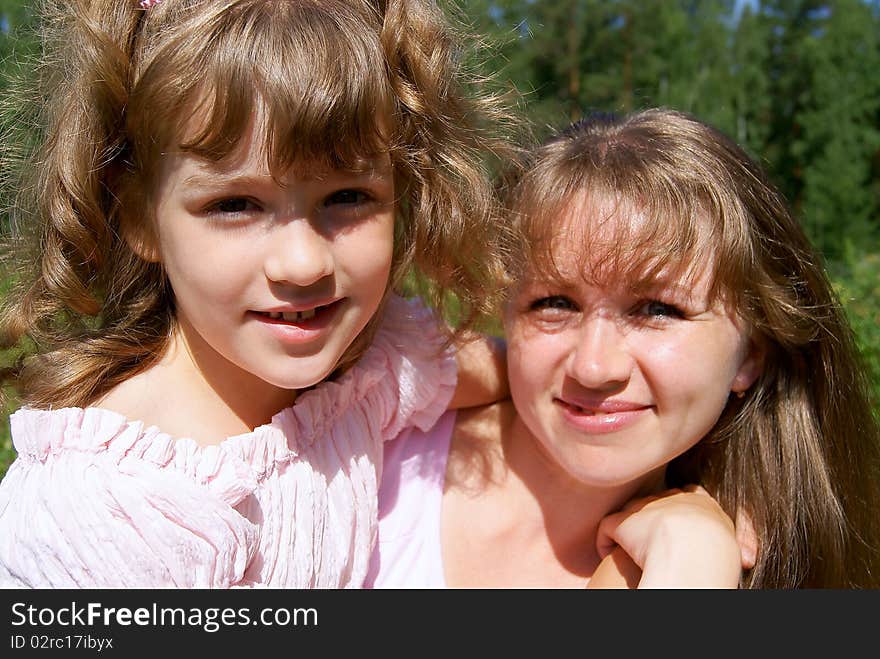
x,y
454,132
66,301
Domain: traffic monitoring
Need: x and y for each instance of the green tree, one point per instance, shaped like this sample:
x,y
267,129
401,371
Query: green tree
x,y
14,16
839,137
789,23
750,83
683,57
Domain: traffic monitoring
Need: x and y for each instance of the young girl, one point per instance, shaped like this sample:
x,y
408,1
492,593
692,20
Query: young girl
x,y
225,195
668,323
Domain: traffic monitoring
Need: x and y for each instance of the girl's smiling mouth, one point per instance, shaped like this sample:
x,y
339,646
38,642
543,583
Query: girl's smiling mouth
x,y
302,323
291,316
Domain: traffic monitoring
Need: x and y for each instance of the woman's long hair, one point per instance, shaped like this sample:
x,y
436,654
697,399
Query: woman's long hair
x,y
800,453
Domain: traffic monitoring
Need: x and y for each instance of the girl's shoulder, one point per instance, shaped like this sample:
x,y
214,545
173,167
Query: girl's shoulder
x,y
96,500
38,433
110,443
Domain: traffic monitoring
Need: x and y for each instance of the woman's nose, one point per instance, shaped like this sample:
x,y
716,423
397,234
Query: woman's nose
x,y
601,359
298,254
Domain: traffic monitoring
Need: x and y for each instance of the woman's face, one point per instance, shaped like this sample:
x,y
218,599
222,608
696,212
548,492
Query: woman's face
x,y
614,384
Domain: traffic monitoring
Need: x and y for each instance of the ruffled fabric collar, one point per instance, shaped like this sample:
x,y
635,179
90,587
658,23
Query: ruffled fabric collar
x,y
238,462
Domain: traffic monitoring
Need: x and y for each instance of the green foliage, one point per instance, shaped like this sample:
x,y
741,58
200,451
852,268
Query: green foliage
x,y
857,283
7,454
16,16
839,134
751,100
17,45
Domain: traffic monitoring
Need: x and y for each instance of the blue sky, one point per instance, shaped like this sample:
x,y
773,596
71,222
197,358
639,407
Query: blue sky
x,y
742,3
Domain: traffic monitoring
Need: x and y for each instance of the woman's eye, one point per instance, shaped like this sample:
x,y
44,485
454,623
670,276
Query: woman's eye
x,y
552,302
657,309
347,198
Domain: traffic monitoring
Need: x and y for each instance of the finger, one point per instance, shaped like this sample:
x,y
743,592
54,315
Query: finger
x,y
605,534
747,539
696,489
617,570
635,505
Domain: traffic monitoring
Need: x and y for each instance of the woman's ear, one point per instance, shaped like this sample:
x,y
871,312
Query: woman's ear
x,y
750,368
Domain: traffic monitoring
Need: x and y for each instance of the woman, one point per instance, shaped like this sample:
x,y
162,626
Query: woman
x,y
668,323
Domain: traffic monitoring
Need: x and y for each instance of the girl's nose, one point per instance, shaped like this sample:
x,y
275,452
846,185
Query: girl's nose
x,y
601,358
298,255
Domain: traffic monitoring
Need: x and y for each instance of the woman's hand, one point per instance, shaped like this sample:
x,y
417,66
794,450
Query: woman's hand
x,y
676,539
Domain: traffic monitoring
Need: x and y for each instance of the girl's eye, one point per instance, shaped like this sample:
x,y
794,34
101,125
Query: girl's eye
x,y
554,302
347,197
657,309
233,205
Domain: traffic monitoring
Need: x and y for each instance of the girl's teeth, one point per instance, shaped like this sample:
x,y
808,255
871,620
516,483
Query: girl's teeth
x,y
292,316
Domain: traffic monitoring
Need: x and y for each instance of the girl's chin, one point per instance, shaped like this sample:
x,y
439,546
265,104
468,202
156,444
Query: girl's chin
x,y
316,376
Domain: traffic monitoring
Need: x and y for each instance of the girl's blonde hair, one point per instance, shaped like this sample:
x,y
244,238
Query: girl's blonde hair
x,y
800,453
337,80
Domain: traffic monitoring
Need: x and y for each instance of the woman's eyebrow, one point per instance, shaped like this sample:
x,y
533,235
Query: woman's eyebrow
x,y
656,285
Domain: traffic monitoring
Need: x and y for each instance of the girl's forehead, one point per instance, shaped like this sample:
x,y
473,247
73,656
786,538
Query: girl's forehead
x,y
256,145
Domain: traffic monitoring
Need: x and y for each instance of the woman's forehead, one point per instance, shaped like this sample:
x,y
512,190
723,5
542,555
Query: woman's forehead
x,y
604,218
613,241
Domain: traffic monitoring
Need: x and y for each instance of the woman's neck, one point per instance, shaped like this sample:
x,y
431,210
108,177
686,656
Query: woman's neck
x,y
537,524
568,506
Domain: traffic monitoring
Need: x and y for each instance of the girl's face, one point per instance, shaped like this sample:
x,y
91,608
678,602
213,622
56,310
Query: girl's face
x,y
272,279
615,384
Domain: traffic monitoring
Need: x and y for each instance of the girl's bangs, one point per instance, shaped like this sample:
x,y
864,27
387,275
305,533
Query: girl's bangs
x,y
310,71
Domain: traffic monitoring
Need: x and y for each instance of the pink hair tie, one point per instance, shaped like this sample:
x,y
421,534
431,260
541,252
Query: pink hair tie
x,y
146,4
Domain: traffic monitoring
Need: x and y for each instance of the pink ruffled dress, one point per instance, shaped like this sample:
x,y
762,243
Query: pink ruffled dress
x,y
99,501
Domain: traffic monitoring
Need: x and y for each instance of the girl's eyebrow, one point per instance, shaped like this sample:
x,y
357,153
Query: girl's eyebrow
x,y
208,174
219,179
338,177
364,168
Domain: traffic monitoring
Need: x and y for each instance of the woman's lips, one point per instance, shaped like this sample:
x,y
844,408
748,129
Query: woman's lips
x,y
605,416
